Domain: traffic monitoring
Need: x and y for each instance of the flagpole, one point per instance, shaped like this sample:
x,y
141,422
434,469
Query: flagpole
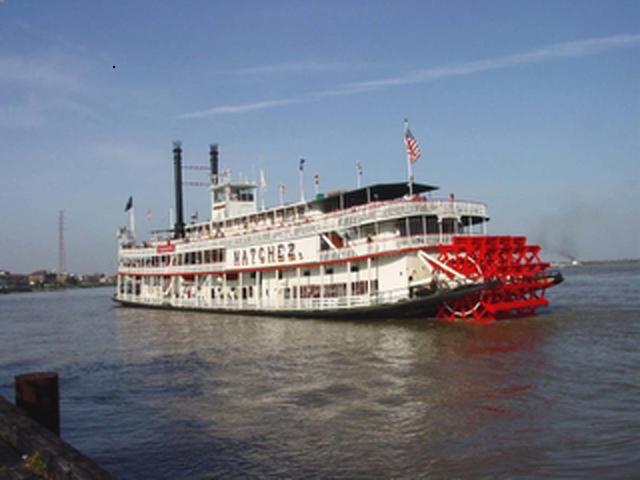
x,y
132,221
409,165
301,168
263,188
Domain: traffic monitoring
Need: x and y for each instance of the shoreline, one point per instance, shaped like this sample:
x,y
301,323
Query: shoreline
x,y
54,288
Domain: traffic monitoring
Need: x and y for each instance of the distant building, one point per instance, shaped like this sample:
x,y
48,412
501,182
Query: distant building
x,y
13,282
41,277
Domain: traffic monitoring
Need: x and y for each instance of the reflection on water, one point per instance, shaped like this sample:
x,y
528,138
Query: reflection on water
x,y
159,394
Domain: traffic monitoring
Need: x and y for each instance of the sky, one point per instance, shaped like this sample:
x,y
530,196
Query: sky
x,y
531,107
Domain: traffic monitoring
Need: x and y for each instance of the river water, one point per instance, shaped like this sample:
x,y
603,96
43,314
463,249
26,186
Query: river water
x,y
168,395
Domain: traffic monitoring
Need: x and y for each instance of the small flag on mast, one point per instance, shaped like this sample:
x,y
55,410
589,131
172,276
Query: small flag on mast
x,y
413,149
302,164
129,204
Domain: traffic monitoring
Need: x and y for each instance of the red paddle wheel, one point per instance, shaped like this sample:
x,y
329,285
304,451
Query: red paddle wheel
x,y
514,269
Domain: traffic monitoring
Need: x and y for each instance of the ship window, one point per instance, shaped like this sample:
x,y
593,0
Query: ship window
x,y
415,226
368,230
306,273
329,271
279,274
359,288
401,227
448,225
432,224
355,268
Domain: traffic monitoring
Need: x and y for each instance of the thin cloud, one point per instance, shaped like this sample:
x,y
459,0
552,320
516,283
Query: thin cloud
x,y
561,50
293,67
241,108
41,88
579,48
43,73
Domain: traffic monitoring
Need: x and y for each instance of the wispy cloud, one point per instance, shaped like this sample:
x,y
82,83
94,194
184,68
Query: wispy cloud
x,y
241,108
560,50
579,48
294,67
37,72
38,88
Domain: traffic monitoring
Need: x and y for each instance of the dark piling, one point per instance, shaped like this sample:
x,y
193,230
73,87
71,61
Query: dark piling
x,y
37,395
32,431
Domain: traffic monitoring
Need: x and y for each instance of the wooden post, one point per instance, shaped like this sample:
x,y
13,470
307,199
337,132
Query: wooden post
x,y
37,395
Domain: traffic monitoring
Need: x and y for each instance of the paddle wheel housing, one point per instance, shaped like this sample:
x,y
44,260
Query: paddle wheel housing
x,y
513,269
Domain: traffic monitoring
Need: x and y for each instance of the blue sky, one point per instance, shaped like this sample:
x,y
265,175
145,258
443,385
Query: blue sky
x,y
532,107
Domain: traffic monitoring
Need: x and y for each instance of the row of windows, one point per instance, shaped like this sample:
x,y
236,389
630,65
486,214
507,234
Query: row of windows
x,y
331,290
425,225
201,257
305,291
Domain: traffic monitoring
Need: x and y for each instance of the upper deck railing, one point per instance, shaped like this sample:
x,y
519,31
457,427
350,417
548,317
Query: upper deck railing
x,y
386,245
315,223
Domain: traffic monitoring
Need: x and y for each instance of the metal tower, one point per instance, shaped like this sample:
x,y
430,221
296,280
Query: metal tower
x,y
62,260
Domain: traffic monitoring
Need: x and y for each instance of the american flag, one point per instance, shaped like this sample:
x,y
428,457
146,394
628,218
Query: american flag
x,y
413,149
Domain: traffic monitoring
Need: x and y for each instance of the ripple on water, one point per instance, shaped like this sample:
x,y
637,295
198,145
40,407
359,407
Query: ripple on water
x,y
153,394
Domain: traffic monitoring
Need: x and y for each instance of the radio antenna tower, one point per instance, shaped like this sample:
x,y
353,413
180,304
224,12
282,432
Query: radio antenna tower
x,y
62,267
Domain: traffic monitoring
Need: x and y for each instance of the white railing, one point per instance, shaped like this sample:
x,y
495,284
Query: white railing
x,y
275,304
388,245
195,269
374,212
337,220
358,250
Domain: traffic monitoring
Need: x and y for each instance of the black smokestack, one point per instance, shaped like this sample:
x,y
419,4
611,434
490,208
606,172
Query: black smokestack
x,y
213,159
177,177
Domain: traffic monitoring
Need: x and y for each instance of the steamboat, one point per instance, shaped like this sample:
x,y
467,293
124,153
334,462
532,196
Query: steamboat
x,y
383,250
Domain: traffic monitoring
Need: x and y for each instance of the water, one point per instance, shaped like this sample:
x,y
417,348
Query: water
x,y
165,395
